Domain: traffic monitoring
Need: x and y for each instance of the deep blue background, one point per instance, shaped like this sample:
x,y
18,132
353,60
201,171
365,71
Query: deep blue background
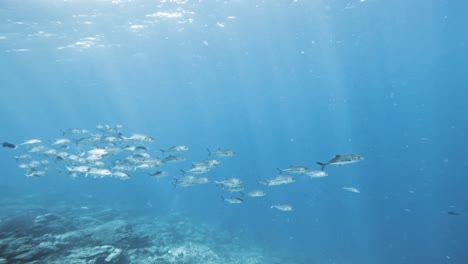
x,y
282,83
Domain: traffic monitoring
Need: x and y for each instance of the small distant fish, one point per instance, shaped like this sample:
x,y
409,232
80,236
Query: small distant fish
x,y
8,145
24,156
62,141
233,200
151,163
294,169
222,152
74,131
35,174
186,181
121,175
197,170
255,193
99,172
82,169
453,213
135,148
97,152
316,174
342,160
159,173
229,182
98,164
175,149
31,142
139,137
93,158
279,180
37,149
72,175
174,158
202,180
24,166
351,189
207,163
283,207
237,188
50,152
123,168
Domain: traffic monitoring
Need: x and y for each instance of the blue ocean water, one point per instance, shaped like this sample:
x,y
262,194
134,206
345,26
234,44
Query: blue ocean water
x,y
279,82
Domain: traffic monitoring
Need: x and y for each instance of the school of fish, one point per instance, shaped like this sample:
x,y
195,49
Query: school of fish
x,y
107,152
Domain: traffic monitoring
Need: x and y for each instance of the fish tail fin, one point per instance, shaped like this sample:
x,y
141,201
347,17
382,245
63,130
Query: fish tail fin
x,y
322,164
163,151
77,141
263,181
183,172
280,170
209,151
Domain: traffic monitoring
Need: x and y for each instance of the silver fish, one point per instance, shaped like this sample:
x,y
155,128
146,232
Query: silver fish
x,y
99,172
62,141
175,149
282,207
174,158
197,170
24,156
202,180
74,131
351,189
279,180
121,175
135,148
139,137
342,160
37,149
229,183
222,152
233,200
50,152
35,173
237,188
256,193
31,142
294,169
185,181
83,169
316,174
207,163
98,152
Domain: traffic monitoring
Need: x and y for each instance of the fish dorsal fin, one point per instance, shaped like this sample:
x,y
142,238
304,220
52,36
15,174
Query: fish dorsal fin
x,y
337,156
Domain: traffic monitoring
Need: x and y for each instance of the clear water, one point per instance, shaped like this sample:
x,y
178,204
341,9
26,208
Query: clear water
x,y
280,82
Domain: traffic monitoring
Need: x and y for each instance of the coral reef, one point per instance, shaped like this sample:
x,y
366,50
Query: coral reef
x,y
52,238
